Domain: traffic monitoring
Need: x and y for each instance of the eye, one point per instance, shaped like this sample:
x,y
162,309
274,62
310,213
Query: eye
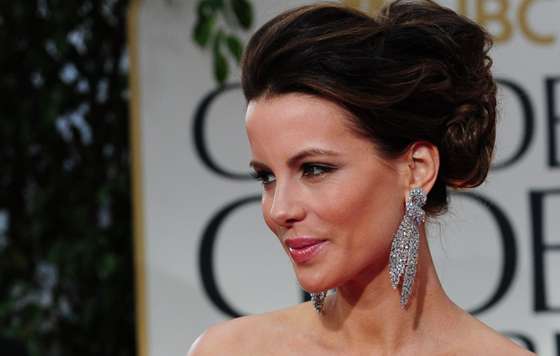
x,y
263,176
315,170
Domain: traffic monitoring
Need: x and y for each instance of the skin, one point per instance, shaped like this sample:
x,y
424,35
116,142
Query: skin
x,y
320,179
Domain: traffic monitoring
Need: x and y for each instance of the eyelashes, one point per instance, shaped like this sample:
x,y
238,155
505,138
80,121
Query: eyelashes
x,y
308,170
316,170
262,176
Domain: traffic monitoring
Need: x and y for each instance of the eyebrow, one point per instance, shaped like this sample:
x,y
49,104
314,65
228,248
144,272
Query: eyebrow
x,y
311,152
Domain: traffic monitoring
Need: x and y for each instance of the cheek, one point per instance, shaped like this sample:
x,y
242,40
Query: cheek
x,y
363,213
265,209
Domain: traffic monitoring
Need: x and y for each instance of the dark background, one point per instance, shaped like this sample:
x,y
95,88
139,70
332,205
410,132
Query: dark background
x,y
66,278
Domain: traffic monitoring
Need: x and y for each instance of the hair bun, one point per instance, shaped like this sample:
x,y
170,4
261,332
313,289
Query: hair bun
x,y
461,85
468,143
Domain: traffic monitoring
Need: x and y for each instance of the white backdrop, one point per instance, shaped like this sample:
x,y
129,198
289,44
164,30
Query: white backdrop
x,y
180,195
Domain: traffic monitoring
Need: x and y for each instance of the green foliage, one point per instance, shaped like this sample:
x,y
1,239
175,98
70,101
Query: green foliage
x,y
221,67
65,237
243,12
235,47
209,30
203,30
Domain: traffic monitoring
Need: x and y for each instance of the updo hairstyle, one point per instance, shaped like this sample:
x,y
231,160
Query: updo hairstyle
x,y
416,71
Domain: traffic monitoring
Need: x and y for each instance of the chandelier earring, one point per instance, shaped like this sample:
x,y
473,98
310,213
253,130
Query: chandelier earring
x,y
404,248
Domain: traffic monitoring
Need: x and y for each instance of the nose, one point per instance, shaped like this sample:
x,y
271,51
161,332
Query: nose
x,y
287,207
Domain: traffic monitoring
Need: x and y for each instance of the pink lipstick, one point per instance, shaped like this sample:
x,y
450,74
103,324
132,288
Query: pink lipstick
x,y
302,249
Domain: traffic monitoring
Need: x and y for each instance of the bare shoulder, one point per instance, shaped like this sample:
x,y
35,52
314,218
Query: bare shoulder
x,y
487,341
246,335
224,336
497,344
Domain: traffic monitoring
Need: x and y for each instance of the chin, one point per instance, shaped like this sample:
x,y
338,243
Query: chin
x,y
313,281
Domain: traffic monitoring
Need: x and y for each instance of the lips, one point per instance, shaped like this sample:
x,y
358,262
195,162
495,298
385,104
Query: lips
x,y
303,249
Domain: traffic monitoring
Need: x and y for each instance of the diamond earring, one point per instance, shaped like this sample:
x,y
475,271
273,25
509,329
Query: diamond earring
x,y
404,248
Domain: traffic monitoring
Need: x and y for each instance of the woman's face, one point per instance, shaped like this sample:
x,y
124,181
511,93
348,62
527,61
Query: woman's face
x,y
328,196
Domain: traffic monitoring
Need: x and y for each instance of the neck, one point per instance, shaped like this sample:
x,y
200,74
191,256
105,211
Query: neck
x,y
367,311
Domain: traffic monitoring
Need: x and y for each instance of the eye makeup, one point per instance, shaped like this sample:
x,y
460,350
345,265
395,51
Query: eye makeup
x,y
308,170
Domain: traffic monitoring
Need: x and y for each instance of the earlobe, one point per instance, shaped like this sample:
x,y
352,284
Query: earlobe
x,y
423,165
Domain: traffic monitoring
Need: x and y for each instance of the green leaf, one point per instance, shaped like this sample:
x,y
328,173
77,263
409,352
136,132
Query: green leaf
x,y
221,66
235,47
207,11
244,12
208,8
203,30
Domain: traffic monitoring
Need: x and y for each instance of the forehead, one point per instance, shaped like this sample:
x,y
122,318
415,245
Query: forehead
x,y
297,117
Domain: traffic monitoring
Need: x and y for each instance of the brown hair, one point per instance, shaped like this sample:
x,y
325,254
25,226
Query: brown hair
x,y
415,72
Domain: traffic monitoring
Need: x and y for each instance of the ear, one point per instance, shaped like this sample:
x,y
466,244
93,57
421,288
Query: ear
x,y
423,165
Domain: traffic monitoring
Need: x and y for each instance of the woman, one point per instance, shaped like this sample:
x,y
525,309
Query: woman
x,y
357,126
